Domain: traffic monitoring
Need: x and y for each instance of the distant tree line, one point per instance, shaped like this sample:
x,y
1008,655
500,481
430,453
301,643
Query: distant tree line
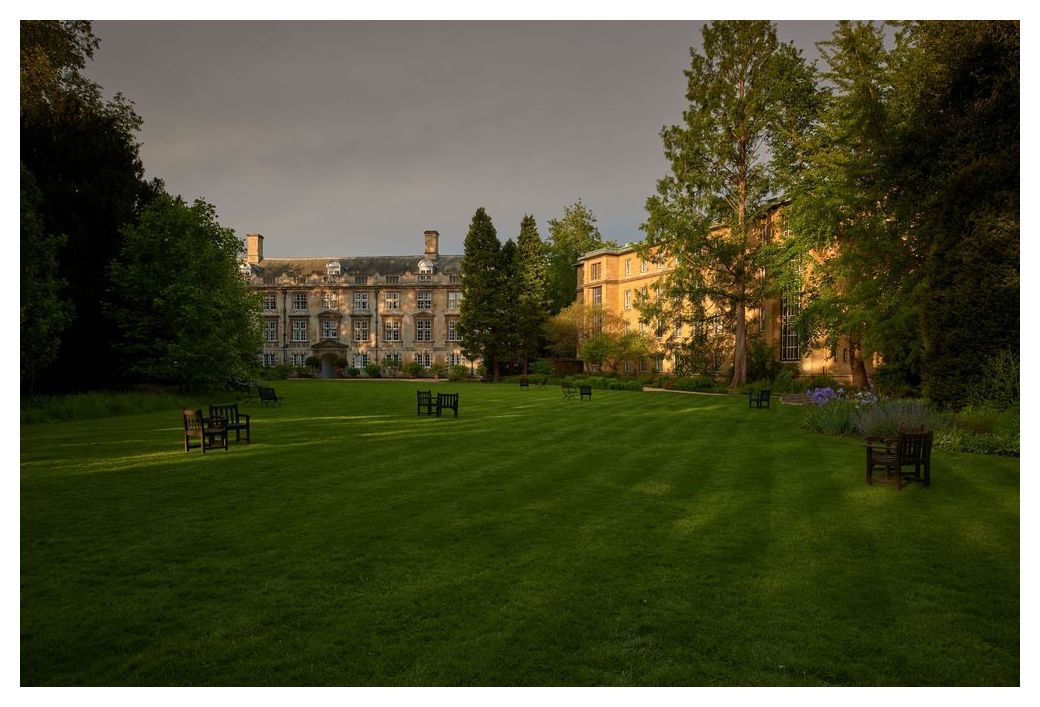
x,y
120,281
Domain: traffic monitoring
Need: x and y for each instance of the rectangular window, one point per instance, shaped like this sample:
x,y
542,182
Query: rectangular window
x,y
594,271
642,266
424,330
628,299
628,266
392,301
455,358
391,330
270,302
329,329
789,348
299,359
299,330
270,330
454,300
299,301
392,358
424,358
360,301
424,300
597,295
643,365
453,330
628,365
328,300
270,360
361,330
360,360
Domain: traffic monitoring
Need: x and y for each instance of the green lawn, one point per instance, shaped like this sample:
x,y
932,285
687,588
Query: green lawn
x,y
635,539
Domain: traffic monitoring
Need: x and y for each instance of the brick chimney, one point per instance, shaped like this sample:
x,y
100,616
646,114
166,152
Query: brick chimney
x,y
431,238
254,248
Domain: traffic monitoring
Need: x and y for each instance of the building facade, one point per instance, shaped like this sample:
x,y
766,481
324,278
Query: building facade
x,y
389,310
618,279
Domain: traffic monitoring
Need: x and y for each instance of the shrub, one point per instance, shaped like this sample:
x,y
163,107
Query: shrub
x,y
438,370
279,372
834,416
542,367
415,370
457,373
999,382
313,362
884,418
373,370
353,372
698,384
763,361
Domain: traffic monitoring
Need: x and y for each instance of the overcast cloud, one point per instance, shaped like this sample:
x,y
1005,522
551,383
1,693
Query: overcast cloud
x,y
352,138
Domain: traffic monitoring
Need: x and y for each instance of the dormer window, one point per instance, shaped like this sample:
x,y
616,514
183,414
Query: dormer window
x,y
246,269
333,267
425,267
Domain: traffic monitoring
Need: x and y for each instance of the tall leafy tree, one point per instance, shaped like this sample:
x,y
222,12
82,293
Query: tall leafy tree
x,y
570,236
45,309
83,155
506,330
842,250
958,175
530,274
743,90
185,313
481,293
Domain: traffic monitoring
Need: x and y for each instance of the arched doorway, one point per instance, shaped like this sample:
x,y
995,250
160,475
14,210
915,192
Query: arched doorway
x,y
328,365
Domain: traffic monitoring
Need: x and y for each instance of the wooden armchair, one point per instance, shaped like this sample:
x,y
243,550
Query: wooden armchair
x,y
907,449
209,431
424,402
267,395
759,399
237,421
447,401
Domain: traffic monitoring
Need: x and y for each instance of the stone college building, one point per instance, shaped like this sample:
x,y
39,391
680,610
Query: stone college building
x,y
390,310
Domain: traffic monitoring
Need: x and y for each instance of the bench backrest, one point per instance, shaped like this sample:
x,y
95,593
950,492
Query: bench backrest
x,y
448,400
192,422
229,412
424,396
266,393
914,447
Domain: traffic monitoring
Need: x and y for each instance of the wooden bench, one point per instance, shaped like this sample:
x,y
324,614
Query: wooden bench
x,y
759,399
267,396
235,420
585,391
568,390
447,401
424,400
908,448
209,431
523,383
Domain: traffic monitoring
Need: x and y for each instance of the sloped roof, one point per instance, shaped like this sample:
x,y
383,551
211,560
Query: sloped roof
x,y
364,265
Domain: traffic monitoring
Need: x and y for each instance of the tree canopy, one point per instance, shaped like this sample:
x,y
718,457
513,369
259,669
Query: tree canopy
x,y
745,92
185,313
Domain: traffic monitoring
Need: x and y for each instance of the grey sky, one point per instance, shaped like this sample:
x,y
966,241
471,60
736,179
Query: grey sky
x,y
352,138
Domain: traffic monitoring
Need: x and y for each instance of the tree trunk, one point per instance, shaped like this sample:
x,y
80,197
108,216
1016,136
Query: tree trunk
x,y
856,365
495,371
740,350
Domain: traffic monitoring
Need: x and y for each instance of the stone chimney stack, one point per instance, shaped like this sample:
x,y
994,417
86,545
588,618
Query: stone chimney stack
x,y
431,238
254,248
